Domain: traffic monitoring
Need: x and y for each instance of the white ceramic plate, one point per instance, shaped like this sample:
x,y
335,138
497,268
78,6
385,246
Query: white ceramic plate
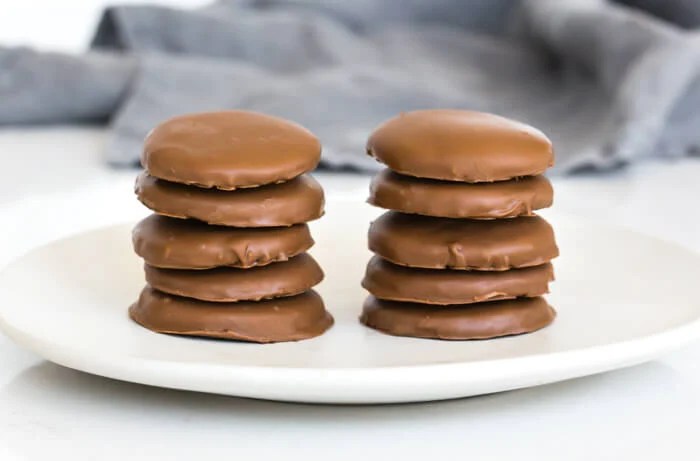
x,y
623,298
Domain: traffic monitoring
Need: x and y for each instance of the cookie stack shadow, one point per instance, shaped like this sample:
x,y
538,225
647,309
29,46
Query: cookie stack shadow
x,y
225,252
461,255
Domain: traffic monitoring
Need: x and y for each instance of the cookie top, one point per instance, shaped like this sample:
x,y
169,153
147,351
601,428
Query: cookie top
x,y
457,145
450,199
191,244
443,286
296,201
473,321
281,319
229,149
446,243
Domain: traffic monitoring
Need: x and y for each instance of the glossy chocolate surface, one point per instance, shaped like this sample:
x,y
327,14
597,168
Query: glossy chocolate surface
x,y
459,145
460,322
227,284
440,243
297,201
444,286
191,244
450,199
229,150
281,319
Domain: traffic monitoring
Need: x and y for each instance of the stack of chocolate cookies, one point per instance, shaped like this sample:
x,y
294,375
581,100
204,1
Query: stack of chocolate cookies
x,y
461,255
225,251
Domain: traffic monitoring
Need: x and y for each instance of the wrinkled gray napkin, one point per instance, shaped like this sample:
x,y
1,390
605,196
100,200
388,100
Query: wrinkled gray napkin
x,y
607,82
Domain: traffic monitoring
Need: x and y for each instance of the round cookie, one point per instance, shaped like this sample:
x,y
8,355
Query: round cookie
x,y
443,286
282,319
450,199
190,244
229,149
457,145
292,202
227,284
460,322
446,243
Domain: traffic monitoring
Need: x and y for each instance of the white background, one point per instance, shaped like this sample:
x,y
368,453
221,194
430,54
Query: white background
x,y
48,412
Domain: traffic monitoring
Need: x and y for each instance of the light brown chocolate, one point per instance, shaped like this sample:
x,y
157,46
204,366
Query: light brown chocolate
x,y
281,319
229,149
444,286
190,244
228,284
296,201
459,145
460,322
450,199
440,243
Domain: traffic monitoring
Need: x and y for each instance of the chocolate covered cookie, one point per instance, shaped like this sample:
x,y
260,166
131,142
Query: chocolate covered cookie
x,y
281,319
191,244
229,150
447,243
228,284
458,322
457,145
444,286
296,201
451,199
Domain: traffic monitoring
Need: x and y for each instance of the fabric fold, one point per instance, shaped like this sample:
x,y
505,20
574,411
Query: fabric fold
x,y
609,83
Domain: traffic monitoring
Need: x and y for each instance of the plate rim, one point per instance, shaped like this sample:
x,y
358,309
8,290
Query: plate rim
x,y
586,362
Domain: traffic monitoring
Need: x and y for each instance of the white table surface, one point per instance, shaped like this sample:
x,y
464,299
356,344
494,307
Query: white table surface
x,y
54,183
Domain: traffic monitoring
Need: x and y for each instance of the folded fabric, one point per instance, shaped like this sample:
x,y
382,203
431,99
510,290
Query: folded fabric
x,y
607,82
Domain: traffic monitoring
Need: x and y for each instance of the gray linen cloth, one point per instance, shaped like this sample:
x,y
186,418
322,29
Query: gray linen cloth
x,y
607,82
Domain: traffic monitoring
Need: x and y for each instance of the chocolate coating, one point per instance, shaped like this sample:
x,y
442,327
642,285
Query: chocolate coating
x,y
229,149
450,199
471,321
228,284
439,243
443,286
458,145
292,202
190,244
282,319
